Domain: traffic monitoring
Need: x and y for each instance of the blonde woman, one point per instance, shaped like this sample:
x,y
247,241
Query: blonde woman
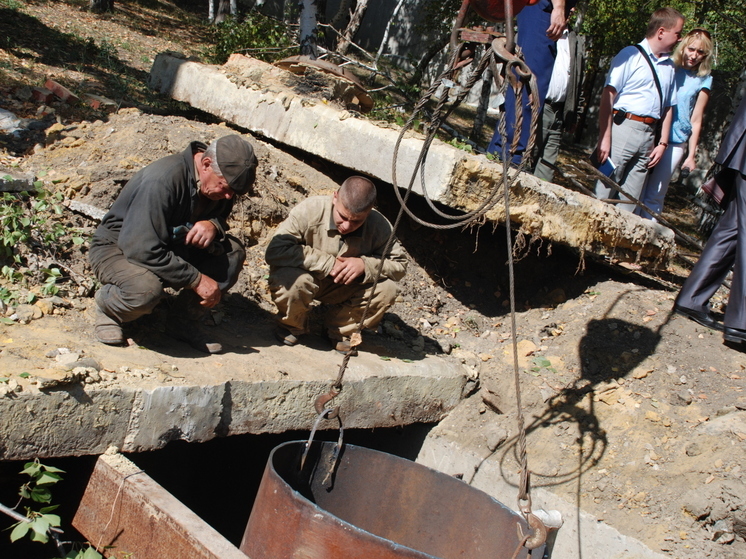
x,y
693,59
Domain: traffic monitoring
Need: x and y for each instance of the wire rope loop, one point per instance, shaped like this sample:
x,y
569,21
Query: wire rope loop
x,y
324,414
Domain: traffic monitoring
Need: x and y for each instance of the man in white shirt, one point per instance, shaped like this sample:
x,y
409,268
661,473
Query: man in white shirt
x,y
632,104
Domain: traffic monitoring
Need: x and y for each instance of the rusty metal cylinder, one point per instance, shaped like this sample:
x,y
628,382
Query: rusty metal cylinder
x,y
373,505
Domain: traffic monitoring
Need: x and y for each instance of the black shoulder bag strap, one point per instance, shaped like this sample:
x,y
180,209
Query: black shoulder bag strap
x,y
658,86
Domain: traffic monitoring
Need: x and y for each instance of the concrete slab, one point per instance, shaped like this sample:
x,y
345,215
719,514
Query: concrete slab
x,y
144,397
125,513
277,104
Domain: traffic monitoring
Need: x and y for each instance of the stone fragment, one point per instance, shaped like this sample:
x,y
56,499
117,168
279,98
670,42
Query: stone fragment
x,y
65,359
696,504
693,449
45,305
681,398
51,378
27,313
9,388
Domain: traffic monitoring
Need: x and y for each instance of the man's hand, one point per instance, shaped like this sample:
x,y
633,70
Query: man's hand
x,y
347,269
202,234
208,290
655,155
557,23
603,150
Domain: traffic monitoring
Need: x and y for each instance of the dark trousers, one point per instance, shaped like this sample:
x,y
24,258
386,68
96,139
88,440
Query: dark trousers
x,y
722,251
130,291
539,52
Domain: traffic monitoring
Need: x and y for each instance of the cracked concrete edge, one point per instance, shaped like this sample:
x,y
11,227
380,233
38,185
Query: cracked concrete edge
x,y
77,422
549,211
255,95
144,519
581,535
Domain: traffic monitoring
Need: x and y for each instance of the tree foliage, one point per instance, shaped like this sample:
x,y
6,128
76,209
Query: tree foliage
x,y
611,25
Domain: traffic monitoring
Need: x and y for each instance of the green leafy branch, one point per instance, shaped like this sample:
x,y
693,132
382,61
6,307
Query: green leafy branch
x,y
40,525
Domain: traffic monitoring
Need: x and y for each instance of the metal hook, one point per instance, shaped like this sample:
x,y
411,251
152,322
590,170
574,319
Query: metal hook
x,y
320,403
538,535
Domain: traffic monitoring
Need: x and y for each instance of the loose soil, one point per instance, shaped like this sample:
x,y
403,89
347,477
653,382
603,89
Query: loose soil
x,y
633,413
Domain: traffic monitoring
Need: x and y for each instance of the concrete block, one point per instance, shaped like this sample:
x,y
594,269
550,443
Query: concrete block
x,y
124,512
71,422
64,94
252,95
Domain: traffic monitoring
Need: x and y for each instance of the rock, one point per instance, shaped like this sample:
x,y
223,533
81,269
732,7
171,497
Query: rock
x,y
67,359
696,504
557,296
9,388
734,422
23,93
693,449
445,346
45,305
51,378
27,313
681,398
89,363
495,437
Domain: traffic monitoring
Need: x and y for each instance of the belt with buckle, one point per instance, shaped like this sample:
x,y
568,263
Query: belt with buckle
x,y
637,118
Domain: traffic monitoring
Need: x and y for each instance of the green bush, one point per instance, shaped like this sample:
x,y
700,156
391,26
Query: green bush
x,y
257,35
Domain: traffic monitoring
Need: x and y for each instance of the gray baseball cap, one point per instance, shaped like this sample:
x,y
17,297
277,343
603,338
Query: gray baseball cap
x,y
237,162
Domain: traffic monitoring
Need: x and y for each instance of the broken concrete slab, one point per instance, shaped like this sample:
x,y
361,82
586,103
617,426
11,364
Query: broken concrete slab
x,y
151,398
125,513
269,101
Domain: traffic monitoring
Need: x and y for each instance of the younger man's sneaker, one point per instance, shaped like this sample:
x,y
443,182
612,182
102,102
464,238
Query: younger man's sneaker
x,y
194,334
285,336
107,330
344,346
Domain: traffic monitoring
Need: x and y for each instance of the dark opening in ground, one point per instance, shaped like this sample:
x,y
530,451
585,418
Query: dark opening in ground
x,y
218,479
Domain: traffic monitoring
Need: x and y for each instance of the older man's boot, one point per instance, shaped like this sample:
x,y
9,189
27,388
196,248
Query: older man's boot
x,y
107,329
186,322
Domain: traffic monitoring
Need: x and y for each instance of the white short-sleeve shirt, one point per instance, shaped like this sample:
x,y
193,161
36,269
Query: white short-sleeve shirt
x,y
631,76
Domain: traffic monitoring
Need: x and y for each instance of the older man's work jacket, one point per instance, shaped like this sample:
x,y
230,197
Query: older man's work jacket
x,y
157,199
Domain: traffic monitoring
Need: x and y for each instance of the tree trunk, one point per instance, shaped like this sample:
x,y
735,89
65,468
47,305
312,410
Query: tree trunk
x,y
308,28
484,103
385,39
355,18
432,50
101,6
224,7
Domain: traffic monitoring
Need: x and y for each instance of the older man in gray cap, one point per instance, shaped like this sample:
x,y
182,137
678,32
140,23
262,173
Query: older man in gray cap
x,y
167,228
